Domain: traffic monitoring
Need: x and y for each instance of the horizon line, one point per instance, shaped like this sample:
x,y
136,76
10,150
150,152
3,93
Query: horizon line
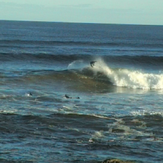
x,y
71,22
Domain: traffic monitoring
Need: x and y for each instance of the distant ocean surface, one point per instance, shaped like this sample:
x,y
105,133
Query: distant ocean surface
x,y
57,108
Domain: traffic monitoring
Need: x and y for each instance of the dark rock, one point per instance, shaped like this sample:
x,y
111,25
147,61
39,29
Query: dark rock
x,y
116,161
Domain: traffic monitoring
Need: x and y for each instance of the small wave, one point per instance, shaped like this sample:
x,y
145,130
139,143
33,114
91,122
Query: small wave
x,y
45,42
42,57
140,61
56,43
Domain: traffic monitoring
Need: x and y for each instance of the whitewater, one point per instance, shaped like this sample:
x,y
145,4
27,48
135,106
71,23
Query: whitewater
x,y
135,79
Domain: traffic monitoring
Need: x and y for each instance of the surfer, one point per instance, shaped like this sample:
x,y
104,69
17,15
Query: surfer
x,y
92,63
67,96
29,94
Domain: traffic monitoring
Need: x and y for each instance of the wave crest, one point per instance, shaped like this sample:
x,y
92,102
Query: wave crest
x,y
135,79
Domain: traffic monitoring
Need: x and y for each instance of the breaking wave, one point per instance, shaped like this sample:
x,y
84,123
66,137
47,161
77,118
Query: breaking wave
x,y
135,79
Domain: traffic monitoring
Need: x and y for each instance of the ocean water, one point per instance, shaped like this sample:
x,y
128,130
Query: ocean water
x,y
57,108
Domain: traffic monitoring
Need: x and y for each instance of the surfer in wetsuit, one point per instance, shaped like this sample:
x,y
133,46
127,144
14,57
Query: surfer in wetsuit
x,y
92,63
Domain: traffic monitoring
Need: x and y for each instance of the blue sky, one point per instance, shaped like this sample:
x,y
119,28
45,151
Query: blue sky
x,y
87,11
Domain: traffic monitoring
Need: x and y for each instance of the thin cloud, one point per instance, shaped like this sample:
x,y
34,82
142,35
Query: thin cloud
x,y
13,4
77,6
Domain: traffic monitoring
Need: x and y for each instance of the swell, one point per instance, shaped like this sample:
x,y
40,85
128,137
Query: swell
x,y
149,61
118,43
40,57
146,60
55,42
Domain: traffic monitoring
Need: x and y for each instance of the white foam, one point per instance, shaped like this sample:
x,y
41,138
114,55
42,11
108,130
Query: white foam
x,y
130,78
146,112
96,136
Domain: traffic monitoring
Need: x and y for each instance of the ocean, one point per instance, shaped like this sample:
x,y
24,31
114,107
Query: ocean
x,y
56,107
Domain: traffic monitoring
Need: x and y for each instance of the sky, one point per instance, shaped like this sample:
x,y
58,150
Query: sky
x,y
147,12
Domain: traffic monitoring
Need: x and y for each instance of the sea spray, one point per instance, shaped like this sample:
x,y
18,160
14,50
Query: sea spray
x,y
77,64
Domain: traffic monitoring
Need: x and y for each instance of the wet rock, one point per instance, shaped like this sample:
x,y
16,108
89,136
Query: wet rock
x,y
116,161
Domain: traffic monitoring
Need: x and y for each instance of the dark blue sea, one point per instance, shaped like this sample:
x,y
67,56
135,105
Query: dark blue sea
x,y
56,107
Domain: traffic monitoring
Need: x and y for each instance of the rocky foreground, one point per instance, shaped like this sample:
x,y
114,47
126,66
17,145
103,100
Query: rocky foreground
x,y
116,161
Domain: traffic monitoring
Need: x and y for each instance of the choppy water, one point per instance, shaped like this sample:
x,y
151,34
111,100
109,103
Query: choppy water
x,y
55,107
